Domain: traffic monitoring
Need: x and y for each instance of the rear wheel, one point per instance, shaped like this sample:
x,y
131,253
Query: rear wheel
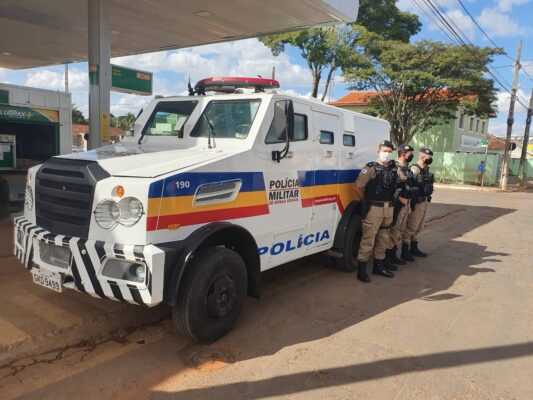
x,y
211,295
352,240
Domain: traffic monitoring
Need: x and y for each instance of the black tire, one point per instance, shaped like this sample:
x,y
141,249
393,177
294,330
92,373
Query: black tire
x,y
211,294
352,240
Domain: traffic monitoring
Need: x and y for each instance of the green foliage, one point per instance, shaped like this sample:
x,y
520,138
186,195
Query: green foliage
x,y
77,116
124,122
414,81
328,48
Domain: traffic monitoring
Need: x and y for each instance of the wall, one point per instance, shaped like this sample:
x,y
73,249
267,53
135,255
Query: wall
x,y
515,163
462,168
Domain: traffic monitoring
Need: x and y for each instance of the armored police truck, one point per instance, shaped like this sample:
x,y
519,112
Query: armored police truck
x,y
207,193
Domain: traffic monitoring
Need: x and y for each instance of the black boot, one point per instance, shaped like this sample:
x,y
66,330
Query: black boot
x,y
388,261
394,258
379,269
361,272
415,251
406,255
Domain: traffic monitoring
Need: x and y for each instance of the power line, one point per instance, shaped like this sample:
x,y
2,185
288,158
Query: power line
x,y
481,29
490,39
441,21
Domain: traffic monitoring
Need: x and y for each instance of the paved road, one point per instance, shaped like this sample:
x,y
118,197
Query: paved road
x,y
457,325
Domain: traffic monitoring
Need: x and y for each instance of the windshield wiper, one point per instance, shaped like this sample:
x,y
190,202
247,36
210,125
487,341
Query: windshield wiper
x,y
211,133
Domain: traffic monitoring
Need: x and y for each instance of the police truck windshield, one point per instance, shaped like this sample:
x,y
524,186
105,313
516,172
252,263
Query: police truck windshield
x,y
230,119
168,118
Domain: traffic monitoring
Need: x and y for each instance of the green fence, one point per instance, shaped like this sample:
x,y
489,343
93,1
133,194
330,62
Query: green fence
x,y
528,172
462,168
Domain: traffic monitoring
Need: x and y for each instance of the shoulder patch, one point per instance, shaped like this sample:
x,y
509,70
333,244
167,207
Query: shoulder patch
x,y
364,171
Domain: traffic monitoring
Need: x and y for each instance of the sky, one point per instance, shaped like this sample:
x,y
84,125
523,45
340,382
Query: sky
x,y
504,21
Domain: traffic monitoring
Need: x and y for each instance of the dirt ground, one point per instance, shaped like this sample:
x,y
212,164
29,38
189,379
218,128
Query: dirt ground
x,y
457,325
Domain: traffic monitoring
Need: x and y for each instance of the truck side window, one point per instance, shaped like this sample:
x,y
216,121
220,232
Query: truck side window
x,y
300,131
348,140
326,137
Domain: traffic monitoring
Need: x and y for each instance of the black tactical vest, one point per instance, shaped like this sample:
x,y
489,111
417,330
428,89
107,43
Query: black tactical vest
x,y
408,188
425,181
383,186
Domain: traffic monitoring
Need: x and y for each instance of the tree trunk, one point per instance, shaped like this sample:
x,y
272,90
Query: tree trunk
x,y
316,82
328,80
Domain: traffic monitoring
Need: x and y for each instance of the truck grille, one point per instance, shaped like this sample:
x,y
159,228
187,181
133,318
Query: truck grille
x,y
64,191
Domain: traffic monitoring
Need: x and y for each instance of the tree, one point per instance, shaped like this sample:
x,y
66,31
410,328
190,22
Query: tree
x,y
124,122
77,116
419,85
328,48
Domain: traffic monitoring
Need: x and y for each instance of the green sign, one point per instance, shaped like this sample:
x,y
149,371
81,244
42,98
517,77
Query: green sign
x,y
26,114
484,142
129,80
4,96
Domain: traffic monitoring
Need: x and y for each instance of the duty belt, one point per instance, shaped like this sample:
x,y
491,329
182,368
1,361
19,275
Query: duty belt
x,y
381,203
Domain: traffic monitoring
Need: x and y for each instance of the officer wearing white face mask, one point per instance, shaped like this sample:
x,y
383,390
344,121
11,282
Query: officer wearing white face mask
x,y
377,184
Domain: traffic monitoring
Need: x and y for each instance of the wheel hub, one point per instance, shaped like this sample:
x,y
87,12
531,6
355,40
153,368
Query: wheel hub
x,y
221,296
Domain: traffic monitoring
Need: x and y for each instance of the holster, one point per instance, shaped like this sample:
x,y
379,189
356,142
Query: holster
x,y
397,208
413,203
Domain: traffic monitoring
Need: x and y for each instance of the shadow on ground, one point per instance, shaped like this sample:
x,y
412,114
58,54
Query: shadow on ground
x,y
304,302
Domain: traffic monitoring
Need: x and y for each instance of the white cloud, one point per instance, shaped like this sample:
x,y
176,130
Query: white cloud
x,y
528,67
504,99
3,75
463,22
47,79
497,24
241,58
507,5
123,103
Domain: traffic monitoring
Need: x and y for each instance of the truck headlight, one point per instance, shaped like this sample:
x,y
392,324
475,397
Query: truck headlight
x,y
106,213
131,210
127,212
28,197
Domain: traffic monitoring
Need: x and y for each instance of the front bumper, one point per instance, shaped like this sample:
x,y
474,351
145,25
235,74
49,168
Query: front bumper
x,y
84,272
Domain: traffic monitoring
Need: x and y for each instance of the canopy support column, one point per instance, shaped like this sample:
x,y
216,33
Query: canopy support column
x,y
99,72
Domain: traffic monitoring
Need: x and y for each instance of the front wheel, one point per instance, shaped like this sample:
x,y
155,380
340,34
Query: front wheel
x,y
211,294
352,240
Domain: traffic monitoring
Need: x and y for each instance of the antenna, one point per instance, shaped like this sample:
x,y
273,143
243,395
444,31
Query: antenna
x,y
189,86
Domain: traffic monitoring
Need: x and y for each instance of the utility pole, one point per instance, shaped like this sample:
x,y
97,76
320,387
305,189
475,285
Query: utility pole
x,y
66,77
510,120
522,167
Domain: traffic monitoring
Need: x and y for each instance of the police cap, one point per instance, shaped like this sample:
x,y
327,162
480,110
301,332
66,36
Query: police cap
x,y
386,143
426,151
405,148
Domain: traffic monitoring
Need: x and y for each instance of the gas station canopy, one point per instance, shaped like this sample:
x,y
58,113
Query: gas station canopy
x,y
37,33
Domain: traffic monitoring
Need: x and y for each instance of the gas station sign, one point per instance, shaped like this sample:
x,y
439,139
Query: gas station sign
x,y
130,80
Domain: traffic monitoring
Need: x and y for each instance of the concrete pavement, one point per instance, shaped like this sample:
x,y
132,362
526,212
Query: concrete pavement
x,y
456,325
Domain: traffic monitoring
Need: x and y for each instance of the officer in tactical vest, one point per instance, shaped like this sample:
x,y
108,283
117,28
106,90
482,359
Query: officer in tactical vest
x,y
377,184
407,191
419,205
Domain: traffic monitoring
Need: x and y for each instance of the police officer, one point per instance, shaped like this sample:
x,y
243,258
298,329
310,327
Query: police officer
x,y
377,184
417,217
407,188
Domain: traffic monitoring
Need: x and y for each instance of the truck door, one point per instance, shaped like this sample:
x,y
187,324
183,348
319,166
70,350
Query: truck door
x,y
324,180
282,238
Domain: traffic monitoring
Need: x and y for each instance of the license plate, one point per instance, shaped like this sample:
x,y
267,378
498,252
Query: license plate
x,y
48,279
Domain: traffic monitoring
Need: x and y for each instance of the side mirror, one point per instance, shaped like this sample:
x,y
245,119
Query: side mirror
x,y
284,122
